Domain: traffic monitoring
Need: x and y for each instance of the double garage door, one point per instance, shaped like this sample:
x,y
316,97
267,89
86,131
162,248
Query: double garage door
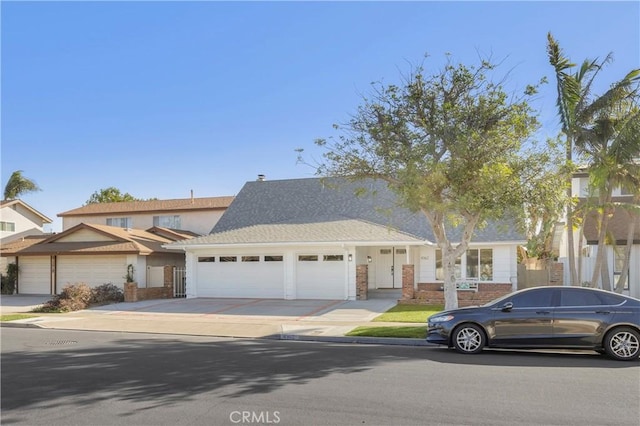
x,y
35,272
316,276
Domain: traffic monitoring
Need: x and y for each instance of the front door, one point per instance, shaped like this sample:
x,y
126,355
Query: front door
x,y
389,261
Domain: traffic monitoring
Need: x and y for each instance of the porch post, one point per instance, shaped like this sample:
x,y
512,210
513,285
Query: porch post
x,y
408,290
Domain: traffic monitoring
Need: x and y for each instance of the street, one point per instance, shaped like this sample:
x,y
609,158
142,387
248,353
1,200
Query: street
x,y
57,377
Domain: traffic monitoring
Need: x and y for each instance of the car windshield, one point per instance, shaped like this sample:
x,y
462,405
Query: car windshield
x,y
498,300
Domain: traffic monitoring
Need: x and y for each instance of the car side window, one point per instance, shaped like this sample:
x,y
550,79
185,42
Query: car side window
x,y
579,298
533,299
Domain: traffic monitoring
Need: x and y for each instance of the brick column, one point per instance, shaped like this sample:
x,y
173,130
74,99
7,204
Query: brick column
x,y
130,292
408,290
362,282
557,274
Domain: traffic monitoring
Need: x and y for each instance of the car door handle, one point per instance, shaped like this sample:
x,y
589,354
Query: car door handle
x,y
603,312
543,312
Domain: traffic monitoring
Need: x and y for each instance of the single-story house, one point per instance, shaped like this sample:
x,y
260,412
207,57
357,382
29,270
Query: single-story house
x,y
91,254
316,238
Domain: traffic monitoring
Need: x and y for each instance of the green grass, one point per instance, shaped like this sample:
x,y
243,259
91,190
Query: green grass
x,y
399,332
409,313
14,317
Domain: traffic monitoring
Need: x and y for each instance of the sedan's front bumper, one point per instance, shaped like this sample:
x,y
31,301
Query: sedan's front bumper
x,y
438,333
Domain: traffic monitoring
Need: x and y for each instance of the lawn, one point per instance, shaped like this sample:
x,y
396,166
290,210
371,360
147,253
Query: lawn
x,y
409,313
14,317
417,332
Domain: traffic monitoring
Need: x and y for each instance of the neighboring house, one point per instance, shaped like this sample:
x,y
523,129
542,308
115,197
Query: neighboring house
x,y
617,232
18,220
197,215
302,239
91,254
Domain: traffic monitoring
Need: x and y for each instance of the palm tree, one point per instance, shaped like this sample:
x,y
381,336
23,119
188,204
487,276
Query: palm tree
x,y
18,185
579,110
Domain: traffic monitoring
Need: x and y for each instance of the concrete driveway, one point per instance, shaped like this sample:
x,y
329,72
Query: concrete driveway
x,y
307,310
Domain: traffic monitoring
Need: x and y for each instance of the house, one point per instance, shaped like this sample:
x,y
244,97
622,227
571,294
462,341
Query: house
x,y
17,220
91,254
99,241
618,229
197,215
333,239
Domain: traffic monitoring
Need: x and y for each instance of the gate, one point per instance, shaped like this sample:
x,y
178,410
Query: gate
x,y
179,282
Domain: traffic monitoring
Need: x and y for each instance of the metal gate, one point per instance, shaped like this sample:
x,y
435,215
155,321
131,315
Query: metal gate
x,y
179,282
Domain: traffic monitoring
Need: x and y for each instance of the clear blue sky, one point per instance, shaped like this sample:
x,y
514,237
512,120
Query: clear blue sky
x,y
159,98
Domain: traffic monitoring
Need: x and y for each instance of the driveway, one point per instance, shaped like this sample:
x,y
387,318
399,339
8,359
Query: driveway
x,y
307,310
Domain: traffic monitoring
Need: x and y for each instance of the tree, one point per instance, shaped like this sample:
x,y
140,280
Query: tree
x,y
578,109
451,145
18,185
591,125
110,195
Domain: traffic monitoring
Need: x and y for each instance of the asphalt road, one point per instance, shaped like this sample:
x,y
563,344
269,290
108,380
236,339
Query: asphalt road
x,y
56,377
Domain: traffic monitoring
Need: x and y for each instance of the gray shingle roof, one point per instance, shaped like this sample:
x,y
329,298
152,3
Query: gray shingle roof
x,y
325,210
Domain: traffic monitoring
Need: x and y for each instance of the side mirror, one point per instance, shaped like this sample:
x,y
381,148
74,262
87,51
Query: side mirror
x,y
507,307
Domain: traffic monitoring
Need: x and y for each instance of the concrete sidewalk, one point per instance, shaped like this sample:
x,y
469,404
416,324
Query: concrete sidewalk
x,y
326,321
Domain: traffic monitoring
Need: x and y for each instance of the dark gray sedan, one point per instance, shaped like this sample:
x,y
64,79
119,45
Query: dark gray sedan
x,y
544,317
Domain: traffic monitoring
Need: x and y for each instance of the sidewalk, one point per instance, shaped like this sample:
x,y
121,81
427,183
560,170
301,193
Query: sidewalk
x,y
167,317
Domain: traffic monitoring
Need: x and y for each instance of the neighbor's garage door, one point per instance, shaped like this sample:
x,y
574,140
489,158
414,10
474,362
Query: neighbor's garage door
x,y
91,270
240,276
320,276
34,275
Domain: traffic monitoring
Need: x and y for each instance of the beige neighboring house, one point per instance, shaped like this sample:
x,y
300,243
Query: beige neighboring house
x,y
99,241
198,215
91,254
18,220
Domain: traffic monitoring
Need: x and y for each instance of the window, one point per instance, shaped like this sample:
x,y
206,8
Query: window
x,y
333,258
477,265
401,251
308,258
273,258
251,258
121,222
228,258
577,297
385,251
7,226
206,259
533,299
172,222
618,264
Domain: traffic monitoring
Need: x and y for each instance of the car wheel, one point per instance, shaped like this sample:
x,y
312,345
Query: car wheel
x,y
622,343
468,339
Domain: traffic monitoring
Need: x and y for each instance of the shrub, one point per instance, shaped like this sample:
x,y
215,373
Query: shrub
x,y
105,294
8,282
75,297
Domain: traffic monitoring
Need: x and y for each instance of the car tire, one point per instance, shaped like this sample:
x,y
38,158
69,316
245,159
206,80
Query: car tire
x,y
622,343
468,339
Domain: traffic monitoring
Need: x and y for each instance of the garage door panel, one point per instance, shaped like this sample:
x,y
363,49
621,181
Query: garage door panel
x,y
241,279
91,270
321,279
34,275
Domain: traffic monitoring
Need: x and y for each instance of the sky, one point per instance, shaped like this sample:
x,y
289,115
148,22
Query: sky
x,y
161,98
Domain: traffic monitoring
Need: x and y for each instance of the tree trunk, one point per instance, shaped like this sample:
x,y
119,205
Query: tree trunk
x,y
603,219
449,269
624,274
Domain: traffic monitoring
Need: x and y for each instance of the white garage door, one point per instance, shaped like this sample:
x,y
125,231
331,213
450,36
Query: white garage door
x,y
34,275
91,270
240,276
320,276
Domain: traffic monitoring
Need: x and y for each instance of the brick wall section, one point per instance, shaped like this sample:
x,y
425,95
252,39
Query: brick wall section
x,y
362,282
134,294
557,274
408,288
432,294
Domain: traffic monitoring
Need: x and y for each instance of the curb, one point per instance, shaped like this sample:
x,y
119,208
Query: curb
x,y
11,324
358,340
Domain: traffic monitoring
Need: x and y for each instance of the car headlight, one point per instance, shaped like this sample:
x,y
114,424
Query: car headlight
x,y
443,318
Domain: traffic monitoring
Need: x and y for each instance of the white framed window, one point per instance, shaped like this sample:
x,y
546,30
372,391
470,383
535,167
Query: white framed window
x,y
8,226
251,258
121,222
272,258
308,258
172,221
333,258
476,264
